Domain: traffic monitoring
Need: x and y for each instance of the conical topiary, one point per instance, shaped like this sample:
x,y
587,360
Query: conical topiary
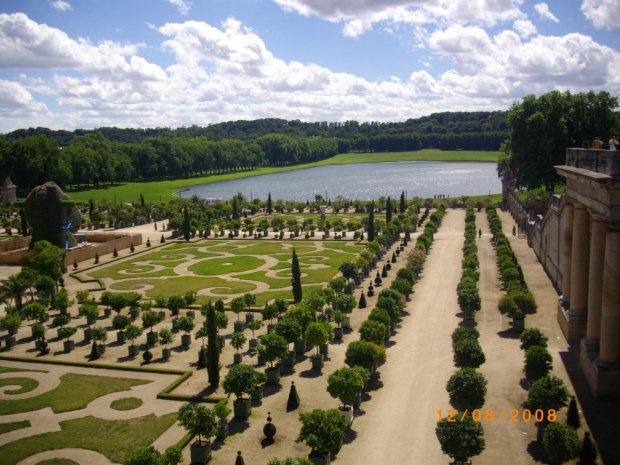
x,y
293,398
94,352
384,272
132,248
393,257
239,460
589,452
572,417
362,302
162,239
115,253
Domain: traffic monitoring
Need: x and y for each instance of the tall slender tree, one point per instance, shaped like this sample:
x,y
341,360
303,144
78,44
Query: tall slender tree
x,y
235,209
213,351
269,206
403,207
186,224
371,222
388,210
296,280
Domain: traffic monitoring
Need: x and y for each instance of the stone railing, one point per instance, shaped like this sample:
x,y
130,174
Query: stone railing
x,y
599,161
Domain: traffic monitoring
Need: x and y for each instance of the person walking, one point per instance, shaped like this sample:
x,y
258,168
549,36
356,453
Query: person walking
x,y
613,143
479,233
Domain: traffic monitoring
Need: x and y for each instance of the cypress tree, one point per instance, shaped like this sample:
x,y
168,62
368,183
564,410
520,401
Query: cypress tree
x,y
371,223
572,418
296,280
94,352
141,200
235,209
589,452
388,210
186,224
293,398
269,209
213,351
362,302
402,202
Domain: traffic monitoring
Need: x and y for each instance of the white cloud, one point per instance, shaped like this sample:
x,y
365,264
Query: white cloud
x,y
182,5
524,28
60,5
359,16
602,13
543,10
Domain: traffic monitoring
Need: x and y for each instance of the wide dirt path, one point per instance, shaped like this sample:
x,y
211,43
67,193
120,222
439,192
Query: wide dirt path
x,y
399,422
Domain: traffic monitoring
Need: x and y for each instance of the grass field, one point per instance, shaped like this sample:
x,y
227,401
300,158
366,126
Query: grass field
x,y
154,191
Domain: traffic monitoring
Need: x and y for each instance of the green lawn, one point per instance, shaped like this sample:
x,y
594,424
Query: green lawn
x,y
27,385
225,265
110,438
8,427
126,403
153,191
58,462
179,286
65,397
11,370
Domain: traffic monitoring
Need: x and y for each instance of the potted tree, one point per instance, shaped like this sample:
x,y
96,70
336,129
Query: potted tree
x,y
460,439
237,341
372,331
60,320
221,322
166,337
467,389
222,411
132,300
269,313
347,384
323,431
38,334
272,347
345,303
254,325
290,330
561,443
199,421
518,305
362,354
90,312
100,336
242,379
236,306
150,319
185,324
317,335
202,334
175,303
133,332
249,300
339,318
120,322
538,363
66,333
117,302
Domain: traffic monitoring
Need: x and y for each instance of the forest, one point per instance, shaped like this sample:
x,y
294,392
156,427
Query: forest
x,y
113,155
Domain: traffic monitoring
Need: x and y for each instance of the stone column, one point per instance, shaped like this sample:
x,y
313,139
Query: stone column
x,y
579,274
595,288
609,354
567,254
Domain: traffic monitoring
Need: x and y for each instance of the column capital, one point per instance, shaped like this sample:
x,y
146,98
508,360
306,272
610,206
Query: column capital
x,y
612,225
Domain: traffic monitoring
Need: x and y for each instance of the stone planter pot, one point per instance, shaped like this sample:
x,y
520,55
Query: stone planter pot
x,y
291,359
133,350
253,344
238,326
273,375
222,429
317,361
270,328
165,353
257,393
134,313
40,343
221,340
107,312
191,314
237,358
186,340
242,408
151,338
318,459
88,334
200,452
120,337
68,345
348,414
9,340
249,317
324,350
347,322
518,324
338,333
300,347
101,349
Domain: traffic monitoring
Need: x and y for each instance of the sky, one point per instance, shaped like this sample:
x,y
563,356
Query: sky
x,y
68,64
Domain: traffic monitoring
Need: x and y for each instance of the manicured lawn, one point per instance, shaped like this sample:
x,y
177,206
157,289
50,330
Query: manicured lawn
x,y
11,370
8,427
27,385
153,191
110,438
58,462
179,286
65,397
225,265
126,403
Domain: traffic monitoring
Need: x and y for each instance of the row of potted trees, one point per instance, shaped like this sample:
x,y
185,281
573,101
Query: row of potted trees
x,y
468,296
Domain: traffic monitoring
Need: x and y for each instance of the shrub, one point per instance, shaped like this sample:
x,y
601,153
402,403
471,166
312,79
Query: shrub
x,y
372,331
532,337
460,438
380,315
467,389
346,382
242,379
272,347
237,340
289,329
468,353
317,335
322,430
361,353
198,421
561,443
462,332
120,322
538,363
548,393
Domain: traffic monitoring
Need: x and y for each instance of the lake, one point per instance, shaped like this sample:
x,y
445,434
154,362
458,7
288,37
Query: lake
x,y
361,181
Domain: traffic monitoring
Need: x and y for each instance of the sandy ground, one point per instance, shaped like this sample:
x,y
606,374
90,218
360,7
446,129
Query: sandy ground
x,y
396,423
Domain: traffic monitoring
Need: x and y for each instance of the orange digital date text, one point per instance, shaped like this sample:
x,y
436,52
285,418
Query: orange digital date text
x,y
489,415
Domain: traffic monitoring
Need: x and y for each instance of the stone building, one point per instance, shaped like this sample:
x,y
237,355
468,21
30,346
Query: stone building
x,y
8,191
578,244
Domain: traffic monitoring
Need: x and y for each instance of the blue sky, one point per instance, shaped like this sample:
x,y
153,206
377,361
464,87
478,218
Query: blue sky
x,y
68,64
